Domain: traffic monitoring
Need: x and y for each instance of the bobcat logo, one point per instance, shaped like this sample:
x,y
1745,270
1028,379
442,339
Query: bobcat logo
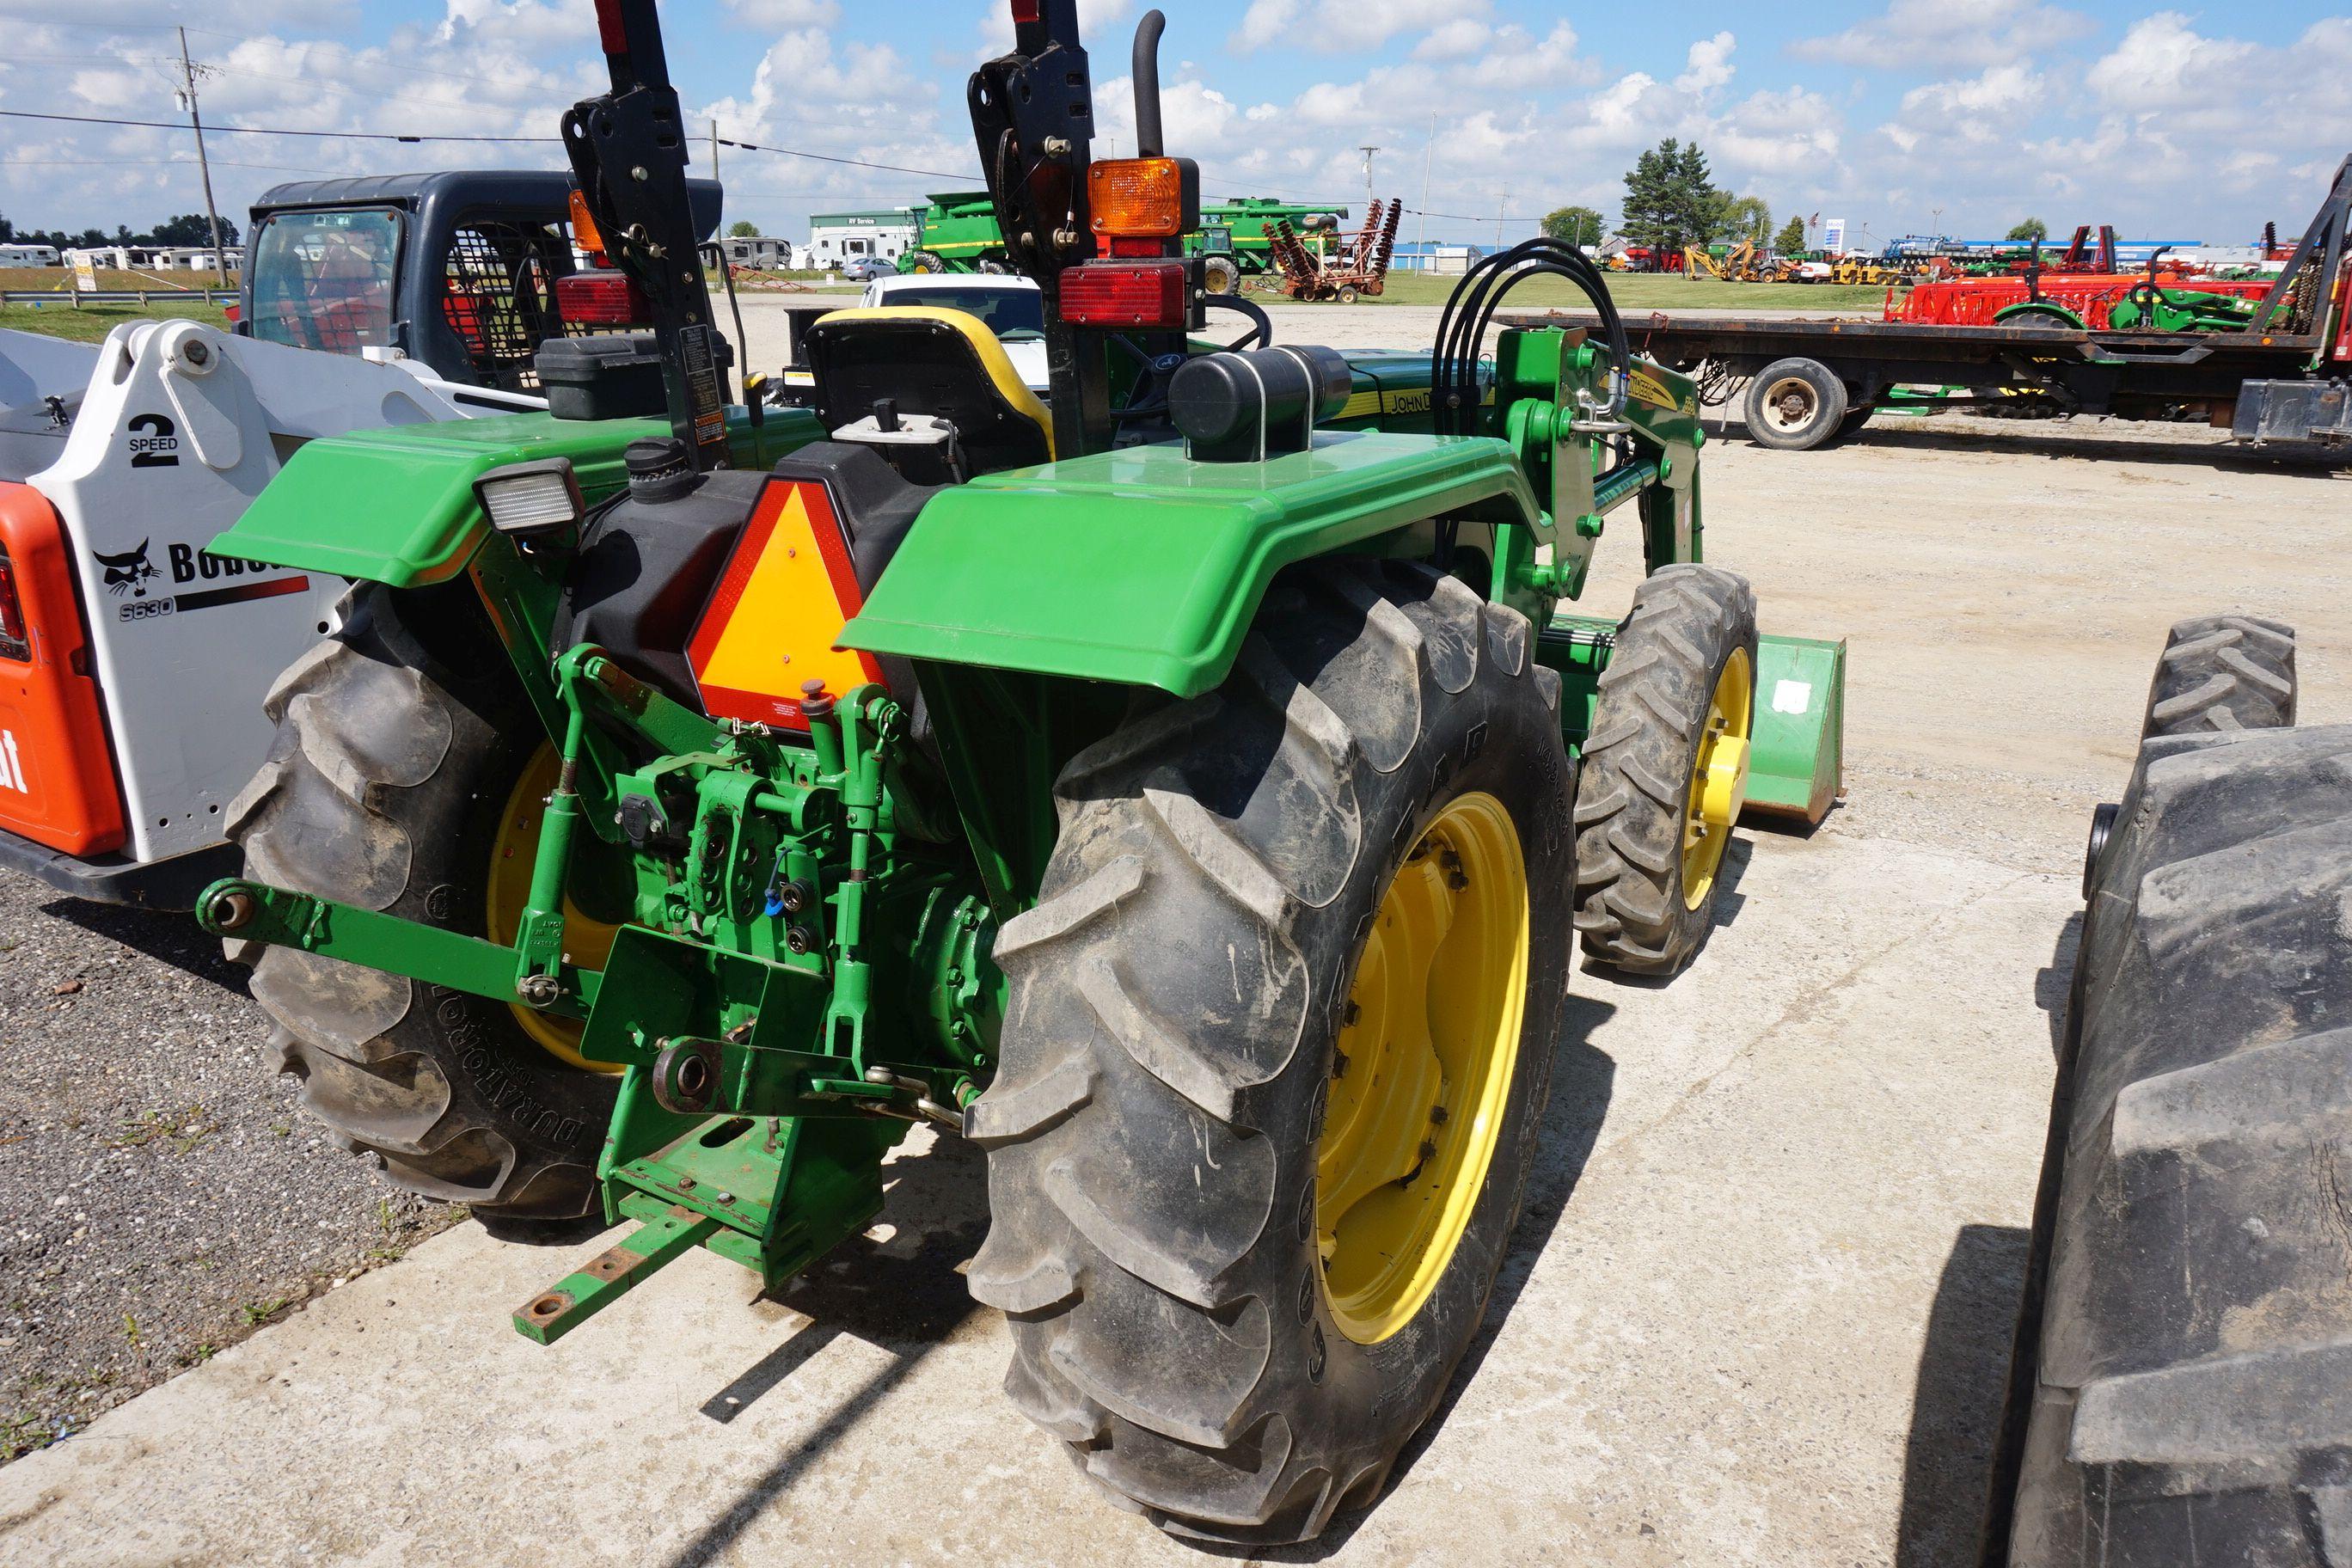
x,y
129,570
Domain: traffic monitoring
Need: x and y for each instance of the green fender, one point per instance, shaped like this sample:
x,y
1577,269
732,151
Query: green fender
x,y
396,506
1144,567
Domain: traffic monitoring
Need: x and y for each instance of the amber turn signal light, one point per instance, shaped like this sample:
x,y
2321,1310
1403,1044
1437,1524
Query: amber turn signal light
x,y
1143,198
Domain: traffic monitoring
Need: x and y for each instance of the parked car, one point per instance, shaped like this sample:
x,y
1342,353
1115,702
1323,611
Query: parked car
x,y
1009,307
865,268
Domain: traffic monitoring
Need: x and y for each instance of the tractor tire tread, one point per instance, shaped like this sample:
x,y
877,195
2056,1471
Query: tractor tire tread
x,y
1685,620
2188,1333
2220,673
357,780
1150,1330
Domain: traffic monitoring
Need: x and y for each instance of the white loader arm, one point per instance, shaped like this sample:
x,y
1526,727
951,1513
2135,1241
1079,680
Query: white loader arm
x,y
180,426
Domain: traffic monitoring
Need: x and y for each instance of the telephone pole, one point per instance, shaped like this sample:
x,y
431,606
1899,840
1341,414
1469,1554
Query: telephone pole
x,y
1368,153
188,101
1500,207
1421,219
714,149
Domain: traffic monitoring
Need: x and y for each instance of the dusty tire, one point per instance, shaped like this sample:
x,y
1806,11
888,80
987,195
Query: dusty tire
x,y
2187,1335
2220,673
1794,404
1633,902
1177,999
1856,419
383,789
1221,275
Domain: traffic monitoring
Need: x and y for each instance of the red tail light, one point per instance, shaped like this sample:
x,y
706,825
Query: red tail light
x,y
601,299
1125,295
13,643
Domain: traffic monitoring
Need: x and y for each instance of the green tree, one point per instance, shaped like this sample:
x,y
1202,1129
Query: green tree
x,y
1577,225
188,228
1670,197
2029,231
1790,240
742,228
1740,217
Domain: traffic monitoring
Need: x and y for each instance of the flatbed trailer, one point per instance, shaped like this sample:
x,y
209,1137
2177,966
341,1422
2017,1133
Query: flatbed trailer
x,y
2285,377
1809,382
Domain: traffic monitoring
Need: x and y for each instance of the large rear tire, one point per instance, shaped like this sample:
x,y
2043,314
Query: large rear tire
x,y
1665,768
1203,1040
2187,1337
386,788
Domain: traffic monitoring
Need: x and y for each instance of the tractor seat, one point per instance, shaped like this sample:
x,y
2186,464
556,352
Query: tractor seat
x,y
931,389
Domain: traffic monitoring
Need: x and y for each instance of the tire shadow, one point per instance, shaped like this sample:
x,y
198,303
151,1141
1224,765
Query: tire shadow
x,y
1583,1078
167,936
2053,984
1955,1408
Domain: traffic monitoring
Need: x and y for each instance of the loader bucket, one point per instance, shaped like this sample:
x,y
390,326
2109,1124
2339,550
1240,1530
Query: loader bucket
x,y
1797,757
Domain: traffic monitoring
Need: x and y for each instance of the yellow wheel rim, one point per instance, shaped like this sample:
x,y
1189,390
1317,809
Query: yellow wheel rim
x,y
1718,782
1422,1082
588,942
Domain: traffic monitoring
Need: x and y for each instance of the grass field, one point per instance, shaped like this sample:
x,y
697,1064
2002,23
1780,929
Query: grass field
x,y
1636,291
59,279
92,322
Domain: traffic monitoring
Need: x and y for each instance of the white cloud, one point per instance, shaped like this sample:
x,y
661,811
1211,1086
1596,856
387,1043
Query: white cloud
x,y
784,14
1339,26
544,24
1709,64
1454,39
1947,35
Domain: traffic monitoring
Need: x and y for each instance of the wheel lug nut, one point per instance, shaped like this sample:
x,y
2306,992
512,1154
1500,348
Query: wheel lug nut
x,y
1437,1115
1338,1064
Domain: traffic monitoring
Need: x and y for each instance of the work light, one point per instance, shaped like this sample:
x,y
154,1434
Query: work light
x,y
527,500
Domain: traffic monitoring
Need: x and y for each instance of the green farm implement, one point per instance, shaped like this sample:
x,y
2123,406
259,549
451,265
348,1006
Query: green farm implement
x,y
959,232
1182,787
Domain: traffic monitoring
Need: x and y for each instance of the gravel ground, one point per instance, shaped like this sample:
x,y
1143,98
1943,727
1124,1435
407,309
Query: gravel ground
x,y
166,1196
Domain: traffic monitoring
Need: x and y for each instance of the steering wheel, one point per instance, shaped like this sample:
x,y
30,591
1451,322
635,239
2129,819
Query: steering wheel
x,y
1261,333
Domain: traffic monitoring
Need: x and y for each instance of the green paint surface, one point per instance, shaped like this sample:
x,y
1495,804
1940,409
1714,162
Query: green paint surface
x,y
1145,567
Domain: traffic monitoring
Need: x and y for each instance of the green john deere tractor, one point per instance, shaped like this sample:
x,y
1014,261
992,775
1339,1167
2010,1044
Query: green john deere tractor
x,y
1183,790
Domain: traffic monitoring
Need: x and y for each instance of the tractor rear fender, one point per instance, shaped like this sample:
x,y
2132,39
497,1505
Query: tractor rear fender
x,y
396,506
1145,567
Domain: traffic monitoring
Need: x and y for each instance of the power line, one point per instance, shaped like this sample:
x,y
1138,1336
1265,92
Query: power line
x,y
264,130
852,163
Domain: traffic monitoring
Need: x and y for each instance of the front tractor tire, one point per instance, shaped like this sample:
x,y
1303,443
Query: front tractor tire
x,y
1665,768
1276,1054
389,786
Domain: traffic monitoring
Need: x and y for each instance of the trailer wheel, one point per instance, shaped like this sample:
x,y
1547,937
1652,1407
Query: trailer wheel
x,y
1856,419
1275,1051
1665,768
1221,275
2182,1349
1795,404
390,784
2222,672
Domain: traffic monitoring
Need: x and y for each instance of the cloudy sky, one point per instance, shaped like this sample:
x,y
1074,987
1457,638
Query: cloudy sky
x,y
1900,116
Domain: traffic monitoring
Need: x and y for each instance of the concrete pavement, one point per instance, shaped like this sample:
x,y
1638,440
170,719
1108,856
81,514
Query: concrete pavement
x,y
1779,1198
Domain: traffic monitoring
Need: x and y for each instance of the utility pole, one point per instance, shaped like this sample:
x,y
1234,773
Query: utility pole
x,y
714,149
1500,207
1368,153
1421,219
188,101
